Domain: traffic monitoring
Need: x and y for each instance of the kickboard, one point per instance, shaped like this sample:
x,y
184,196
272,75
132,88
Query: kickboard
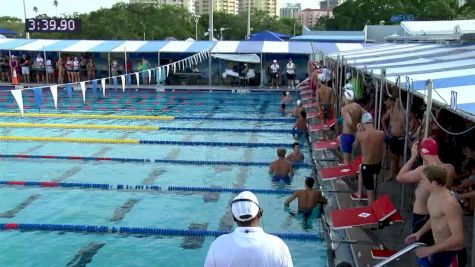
x,y
382,254
327,144
354,197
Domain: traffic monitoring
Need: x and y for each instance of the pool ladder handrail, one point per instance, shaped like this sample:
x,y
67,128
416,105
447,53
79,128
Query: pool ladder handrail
x,y
401,252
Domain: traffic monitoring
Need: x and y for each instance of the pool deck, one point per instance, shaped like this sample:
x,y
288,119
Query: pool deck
x,y
361,240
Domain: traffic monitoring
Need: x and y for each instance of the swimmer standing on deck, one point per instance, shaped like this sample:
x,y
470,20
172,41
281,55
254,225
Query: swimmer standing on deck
x,y
281,169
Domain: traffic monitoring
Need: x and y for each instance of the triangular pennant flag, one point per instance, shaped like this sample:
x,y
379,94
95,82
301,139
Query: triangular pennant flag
x,y
83,89
54,93
103,84
69,90
18,98
94,87
122,79
114,81
157,76
149,75
199,56
137,78
174,67
38,92
168,69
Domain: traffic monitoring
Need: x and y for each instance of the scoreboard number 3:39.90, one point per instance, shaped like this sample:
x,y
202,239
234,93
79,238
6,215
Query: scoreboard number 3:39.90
x,y
53,25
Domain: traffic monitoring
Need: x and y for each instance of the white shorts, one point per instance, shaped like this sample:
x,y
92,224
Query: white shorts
x,y
25,70
49,69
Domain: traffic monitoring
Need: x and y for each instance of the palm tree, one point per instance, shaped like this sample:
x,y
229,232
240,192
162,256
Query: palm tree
x,y
36,10
55,3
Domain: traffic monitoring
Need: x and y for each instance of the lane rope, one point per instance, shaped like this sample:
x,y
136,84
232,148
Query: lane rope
x,y
98,229
137,141
132,127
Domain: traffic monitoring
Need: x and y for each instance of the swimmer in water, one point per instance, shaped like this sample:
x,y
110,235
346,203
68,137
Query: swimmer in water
x,y
281,169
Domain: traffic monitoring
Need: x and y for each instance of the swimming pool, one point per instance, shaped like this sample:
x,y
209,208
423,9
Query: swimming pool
x,y
165,209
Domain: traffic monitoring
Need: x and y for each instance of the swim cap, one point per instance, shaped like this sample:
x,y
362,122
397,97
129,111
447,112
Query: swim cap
x,y
274,61
349,95
299,102
245,206
287,93
367,118
348,86
429,147
321,77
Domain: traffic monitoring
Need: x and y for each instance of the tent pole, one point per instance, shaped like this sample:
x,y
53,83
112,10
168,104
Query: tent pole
x,y
381,93
376,105
406,138
262,73
109,60
10,60
210,77
125,59
46,71
430,86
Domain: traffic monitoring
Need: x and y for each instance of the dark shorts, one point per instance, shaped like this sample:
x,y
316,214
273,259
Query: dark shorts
x,y
367,173
445,259
290,76
418,221
276,178
396,144
274,75
346,141
326,111
306,214
282,105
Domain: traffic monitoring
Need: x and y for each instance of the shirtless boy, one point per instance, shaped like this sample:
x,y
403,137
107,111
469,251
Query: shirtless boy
x,y
446,222
351,113
325,99
428,151
395,134
371,141
281,169
296,155
307,198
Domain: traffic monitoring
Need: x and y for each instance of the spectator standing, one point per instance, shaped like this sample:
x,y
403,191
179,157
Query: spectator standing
x,y
274,74
69,69
290,69
4,68
25,68
76,69
91,69
50,70
248,244
40,69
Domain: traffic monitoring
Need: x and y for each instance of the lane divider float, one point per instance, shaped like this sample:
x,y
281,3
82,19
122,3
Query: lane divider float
x,y
99,229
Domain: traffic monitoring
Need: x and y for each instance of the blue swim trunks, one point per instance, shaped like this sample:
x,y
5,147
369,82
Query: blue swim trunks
x,y
276,178
346,141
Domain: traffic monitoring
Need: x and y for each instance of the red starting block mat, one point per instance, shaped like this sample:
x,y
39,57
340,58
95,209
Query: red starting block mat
x,y
355,197
310,105
379,211
308,97
315,128
382,254
327,144
332,173
306,91
312,115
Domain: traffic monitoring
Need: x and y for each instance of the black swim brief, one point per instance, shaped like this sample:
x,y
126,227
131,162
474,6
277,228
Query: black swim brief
x,y
367,173
326,110
418,220
396,144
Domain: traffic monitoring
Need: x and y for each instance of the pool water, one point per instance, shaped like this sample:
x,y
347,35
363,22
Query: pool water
x,y
164,209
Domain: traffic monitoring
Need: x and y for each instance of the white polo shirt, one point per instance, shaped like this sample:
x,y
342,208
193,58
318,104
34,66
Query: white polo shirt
x,y
248,247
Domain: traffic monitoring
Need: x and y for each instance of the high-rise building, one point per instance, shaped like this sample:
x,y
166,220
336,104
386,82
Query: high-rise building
x,y
309,17
330,4
227,6
290,10
271,7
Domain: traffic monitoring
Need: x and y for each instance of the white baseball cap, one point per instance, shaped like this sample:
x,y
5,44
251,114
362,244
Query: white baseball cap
x,y
245,206
299,102
275,61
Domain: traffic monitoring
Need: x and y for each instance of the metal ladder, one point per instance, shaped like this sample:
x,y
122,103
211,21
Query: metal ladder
x,y
403,251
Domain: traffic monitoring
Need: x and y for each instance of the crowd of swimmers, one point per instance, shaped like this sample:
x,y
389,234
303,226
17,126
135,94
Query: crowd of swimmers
x,y
442,165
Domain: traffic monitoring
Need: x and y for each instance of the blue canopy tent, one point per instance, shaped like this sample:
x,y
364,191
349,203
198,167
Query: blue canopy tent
x,y
267,35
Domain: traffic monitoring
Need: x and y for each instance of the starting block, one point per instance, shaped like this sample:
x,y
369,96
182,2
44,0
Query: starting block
x,y
312,115
310,105
355,197
306,91
382,254
332,173
327,144
381,212
307,97
318,127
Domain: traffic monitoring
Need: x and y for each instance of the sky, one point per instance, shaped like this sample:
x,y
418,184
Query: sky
x,y
14,8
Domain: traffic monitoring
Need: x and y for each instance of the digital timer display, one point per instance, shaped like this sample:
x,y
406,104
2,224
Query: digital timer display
x,y
53,25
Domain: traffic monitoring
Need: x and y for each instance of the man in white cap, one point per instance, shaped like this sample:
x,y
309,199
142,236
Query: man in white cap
x,y
274,74
351,113
248,245
371,141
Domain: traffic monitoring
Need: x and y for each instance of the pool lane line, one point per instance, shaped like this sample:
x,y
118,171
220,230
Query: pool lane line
x,y
137,141
86,116
116,230
136,127
138,160
139,117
